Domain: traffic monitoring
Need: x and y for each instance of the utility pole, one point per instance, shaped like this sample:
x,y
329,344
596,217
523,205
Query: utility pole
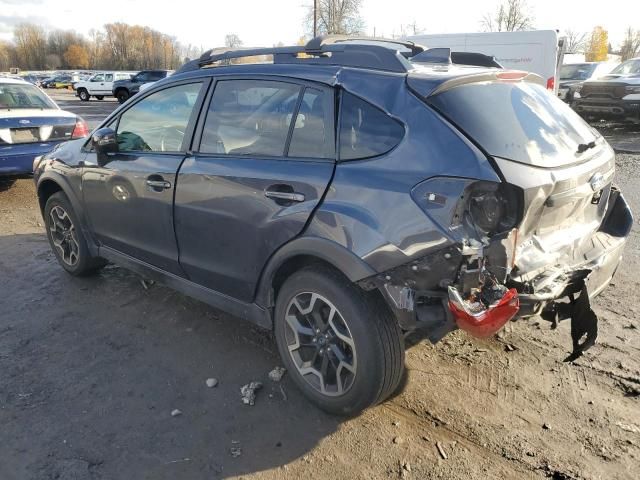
x,y
315,18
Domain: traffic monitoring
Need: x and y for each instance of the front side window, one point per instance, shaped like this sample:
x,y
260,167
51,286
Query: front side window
x,y
366,131
141,77
158,122
98,78
249,117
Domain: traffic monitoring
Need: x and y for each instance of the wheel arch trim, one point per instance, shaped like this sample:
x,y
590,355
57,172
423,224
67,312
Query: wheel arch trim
x,y
63,185
342,259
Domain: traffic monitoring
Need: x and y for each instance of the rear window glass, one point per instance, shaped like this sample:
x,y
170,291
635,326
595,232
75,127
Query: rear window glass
x,y
366,131
519,121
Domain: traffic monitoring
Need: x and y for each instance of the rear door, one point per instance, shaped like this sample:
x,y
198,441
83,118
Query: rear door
x,y
264,155
128,195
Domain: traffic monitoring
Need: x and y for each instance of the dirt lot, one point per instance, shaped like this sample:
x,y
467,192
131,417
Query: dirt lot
x,y
91,369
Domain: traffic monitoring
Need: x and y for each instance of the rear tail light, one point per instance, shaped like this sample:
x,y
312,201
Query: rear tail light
x,y
81,129
493,207
483,322
551,83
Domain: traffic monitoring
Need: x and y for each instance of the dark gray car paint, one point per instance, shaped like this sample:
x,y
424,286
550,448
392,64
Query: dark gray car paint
x,y
383,228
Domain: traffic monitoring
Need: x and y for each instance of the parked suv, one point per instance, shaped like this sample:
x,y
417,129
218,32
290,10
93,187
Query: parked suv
x,y
99,85
124,89
349,200
616,95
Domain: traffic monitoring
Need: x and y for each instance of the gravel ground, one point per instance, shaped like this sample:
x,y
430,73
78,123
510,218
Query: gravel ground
x,y
92,369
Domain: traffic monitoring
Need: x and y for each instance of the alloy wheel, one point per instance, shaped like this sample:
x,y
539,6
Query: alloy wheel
x,y
63,235
320,344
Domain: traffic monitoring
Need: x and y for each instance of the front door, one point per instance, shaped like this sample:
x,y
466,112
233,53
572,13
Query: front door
x,y
128,195
263,163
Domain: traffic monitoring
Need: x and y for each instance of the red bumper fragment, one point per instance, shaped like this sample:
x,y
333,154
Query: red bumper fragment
x,y
488,321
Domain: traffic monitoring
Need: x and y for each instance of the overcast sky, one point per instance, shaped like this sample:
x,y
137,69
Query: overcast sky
x,y
263,23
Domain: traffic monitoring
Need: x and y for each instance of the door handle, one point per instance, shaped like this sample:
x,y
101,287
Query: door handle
x,y
286,196
159,184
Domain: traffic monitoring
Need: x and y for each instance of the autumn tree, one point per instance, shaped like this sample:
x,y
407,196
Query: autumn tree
x,y
575,42
31,45
115,46
630,45
510,16
336,17
77,56
597,48
7,56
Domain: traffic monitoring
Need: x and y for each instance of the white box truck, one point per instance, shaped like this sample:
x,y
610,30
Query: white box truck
x,y
537,51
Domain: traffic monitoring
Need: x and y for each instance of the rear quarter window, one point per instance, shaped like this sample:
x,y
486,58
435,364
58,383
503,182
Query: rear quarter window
x,y
365,130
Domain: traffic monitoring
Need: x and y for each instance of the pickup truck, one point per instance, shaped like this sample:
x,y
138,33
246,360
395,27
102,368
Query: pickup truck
x,y
614,96
100,85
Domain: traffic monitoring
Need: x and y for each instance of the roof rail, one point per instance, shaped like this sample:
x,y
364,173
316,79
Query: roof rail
x,y
318,42
324,50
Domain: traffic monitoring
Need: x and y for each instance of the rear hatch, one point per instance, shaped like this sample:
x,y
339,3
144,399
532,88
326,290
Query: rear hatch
x,y
18,126
563,166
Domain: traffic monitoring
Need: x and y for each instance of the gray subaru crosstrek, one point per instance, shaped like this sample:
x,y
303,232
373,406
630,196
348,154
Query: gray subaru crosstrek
x,y
350,199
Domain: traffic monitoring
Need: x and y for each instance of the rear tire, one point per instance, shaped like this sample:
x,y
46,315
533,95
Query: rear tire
x,y
66,238
340,344
84,95
122,96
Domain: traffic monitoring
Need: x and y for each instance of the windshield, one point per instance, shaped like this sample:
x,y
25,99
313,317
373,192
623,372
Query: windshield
x,y
519,121
579,71
14,95
632,66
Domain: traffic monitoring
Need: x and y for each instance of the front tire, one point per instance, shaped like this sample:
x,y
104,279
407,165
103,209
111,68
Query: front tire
x,y
341,345
84,95
66,238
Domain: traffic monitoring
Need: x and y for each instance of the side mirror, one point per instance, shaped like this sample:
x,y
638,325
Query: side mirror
x,y
104,141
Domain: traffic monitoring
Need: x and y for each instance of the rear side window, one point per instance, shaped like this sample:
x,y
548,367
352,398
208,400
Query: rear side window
x,y
366,131
249,117
313,133
519,121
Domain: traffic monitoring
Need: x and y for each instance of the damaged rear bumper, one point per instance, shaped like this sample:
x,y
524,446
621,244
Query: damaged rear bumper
x,y
426,294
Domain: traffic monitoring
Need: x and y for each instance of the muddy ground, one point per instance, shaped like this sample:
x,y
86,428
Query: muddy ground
x,y
91,369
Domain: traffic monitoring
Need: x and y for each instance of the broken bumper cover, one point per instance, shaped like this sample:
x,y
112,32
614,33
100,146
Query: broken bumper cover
x,y
423,294
593,267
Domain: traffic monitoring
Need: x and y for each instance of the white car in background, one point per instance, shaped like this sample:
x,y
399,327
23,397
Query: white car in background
x,y
99,85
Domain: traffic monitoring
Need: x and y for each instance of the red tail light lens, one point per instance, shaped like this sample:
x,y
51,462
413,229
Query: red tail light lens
x,y
81,129
551,83
489,321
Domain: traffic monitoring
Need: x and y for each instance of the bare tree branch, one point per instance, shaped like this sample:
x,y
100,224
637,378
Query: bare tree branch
x,y
337,17
511,15
576,42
